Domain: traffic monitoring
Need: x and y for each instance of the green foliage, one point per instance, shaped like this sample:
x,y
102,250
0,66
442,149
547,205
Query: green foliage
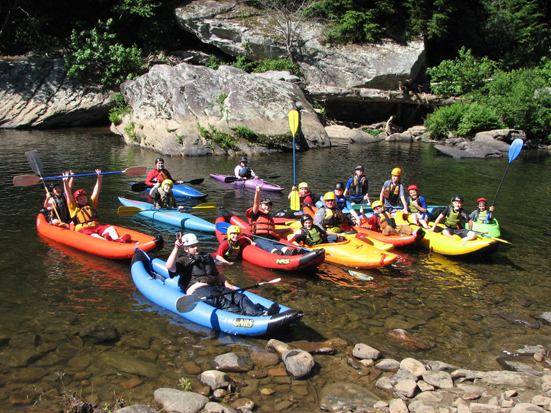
x,y
184,383
222,98
245,133
130,130
95,53
462,75
462,119
213,63
224,140
121,108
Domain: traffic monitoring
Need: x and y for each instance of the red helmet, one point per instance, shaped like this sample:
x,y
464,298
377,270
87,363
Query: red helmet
x,y
413,187
79,192
481,200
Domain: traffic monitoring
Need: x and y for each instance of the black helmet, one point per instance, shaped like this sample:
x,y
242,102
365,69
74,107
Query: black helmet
x,y
339,185
457,198
266,201
53,185
159,160
304,218
244,159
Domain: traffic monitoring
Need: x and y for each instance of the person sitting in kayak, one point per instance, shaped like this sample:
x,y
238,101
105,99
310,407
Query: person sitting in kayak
x,y
309,234
342,203
482,214
55,205
243,170
418,207
263,224
84,214
455,218
163,196
382,221
305,195
357,187
159,174
199,276
393,192
330,217
231,248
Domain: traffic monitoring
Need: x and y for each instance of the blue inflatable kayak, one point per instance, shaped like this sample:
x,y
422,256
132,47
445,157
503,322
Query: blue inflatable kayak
x,y
152,280
179,190
172,217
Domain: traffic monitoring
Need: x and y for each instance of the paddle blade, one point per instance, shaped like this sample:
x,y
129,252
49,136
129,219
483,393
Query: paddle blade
x,y
140,187
25,180
135,171
295,201
293,121
206,207
195,181
187,303
230,179
222,227
127,211
515,149
35,162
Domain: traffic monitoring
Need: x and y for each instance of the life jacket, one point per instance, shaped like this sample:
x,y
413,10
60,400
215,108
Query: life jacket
x,y
453,218
413,209
233,250
313,236
61,208
245,172
164,199
86,216
359,185
264,224
340,202
202,269
306,199
393,192
387,217
333,218
163,174
481,216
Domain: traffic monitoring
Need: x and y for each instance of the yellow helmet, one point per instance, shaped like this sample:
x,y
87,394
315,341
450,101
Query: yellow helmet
x,y
234,229
329,196
167,182
396,171
376,204
303,185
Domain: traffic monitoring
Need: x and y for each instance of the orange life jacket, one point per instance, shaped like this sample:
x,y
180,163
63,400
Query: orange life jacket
x,y
264,224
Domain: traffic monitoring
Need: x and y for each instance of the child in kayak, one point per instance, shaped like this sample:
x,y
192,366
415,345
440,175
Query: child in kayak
x,y
305,195
455,218
482,214
418,207
309,234
55,205
199,275
382,221
243,170
392,192
231,248
159,174
163,196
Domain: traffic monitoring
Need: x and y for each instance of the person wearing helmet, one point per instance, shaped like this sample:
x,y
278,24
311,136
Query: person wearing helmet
x,y
394,192
342,203
418,207
231,248
454,219
329,216
243,170
55,204
382,221
305,196
482,214
309,234
357,187
84,215
159,174
263,224
199,275
163,196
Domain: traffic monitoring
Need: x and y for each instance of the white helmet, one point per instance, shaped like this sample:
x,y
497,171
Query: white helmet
x,y
189,240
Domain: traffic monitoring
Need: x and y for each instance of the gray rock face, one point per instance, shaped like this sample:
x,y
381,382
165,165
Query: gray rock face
x,y
221,24
37,94
171,106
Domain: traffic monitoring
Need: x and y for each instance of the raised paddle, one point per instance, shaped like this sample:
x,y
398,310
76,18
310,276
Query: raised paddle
x,y
293,125
27,180
126,211
36,165
514,151
142,186
187,303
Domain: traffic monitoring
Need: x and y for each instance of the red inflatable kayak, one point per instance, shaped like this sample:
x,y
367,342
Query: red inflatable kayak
x,y
99,246
262,258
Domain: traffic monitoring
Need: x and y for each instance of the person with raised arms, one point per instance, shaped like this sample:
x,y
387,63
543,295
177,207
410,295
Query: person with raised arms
x,y
243,170
159,174
55,204
84,215
199,275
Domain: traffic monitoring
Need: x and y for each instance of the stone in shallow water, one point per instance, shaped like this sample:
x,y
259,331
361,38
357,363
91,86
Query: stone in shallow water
x,y
406,341
232,362
174,400
363,351
346,396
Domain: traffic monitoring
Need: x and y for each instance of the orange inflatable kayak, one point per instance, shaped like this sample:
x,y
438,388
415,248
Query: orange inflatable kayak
x,y
99,246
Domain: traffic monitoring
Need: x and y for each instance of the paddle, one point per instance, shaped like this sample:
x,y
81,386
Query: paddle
x,y
187,303
489,236
36,165
232,179
293,125
27,180
514,151
126,211
142,186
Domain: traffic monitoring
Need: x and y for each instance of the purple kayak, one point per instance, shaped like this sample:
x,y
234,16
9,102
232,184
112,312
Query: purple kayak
x,y
247,183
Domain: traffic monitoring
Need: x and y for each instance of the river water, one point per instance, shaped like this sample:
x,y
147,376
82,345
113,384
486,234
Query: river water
x,y
468,311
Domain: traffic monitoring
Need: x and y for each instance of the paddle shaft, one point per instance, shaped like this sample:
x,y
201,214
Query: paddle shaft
x,y
36,165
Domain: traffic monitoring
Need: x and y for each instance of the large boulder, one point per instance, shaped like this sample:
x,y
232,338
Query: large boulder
x,y
241,30
36,93
194,110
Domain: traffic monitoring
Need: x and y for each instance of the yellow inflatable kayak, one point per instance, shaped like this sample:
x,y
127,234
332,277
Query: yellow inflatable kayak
x,y
435,241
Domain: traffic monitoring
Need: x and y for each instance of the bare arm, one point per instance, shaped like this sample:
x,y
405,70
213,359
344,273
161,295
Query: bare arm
x,y
173,257
97,187
256,202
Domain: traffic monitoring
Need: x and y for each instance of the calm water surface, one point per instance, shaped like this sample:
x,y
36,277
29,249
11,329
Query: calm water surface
x,y
470,311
